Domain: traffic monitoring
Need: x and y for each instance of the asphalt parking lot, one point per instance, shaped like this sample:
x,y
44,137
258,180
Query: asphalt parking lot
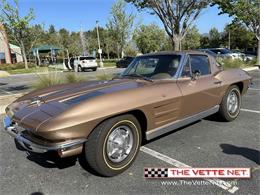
x,y
22,83
206,143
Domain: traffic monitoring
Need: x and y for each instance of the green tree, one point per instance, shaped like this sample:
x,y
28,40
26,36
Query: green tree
x,y
240,36
52,37
214,38
176,16
244,11
18,26
64,37
149,38
192,39
204,41
120,25
74,44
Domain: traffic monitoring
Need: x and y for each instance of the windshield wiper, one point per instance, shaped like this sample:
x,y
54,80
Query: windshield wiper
x,y
136,75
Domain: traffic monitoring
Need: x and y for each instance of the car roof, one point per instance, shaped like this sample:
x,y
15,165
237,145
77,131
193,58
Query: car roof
x,y
183,52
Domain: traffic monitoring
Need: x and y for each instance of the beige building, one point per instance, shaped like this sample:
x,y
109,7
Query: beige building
x,y
9,53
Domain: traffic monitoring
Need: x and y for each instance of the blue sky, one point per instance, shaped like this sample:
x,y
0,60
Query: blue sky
x,y
71,14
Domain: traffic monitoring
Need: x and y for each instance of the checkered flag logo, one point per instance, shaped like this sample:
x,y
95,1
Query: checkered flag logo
x,y
155,172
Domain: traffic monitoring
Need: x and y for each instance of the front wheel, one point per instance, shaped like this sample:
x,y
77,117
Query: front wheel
x,y
231,103
113,145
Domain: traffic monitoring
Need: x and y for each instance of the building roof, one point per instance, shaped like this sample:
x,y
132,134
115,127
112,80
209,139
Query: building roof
x,y
12,46
45,48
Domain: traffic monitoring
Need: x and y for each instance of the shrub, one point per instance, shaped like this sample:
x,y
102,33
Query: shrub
x,y
235,63
47,80
74,78
104,76
55,78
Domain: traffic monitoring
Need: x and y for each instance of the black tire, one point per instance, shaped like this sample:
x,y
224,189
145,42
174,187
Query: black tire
x,y
96,146
79,69
224,111
94,69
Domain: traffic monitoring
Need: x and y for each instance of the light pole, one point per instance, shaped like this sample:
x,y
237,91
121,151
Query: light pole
x,y
99,49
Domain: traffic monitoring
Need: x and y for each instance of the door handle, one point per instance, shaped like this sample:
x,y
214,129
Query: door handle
x,y
217,82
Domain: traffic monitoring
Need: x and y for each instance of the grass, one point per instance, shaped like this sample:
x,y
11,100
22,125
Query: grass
x,y
19,68
16,66
31,70
109,64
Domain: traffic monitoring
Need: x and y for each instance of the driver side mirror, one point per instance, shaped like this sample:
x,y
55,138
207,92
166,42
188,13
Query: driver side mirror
x,y
195,74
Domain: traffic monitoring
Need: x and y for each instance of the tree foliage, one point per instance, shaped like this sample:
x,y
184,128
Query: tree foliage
x,y
214,38
149,38
18,26
192,39
176,16
120,25
244,11
240,36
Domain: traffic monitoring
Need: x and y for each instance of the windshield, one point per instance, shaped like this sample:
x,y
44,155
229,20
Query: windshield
x,y
86,58
154,66
225,51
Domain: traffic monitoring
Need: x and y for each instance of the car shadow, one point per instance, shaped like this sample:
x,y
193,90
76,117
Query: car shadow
x,y
51,160
215,118
168,133
251,154
37,193
17,88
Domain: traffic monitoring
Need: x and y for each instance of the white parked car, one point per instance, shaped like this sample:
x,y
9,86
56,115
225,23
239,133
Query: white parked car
x,y
226,53
82,63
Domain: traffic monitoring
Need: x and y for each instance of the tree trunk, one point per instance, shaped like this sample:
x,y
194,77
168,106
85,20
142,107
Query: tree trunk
x,y
175,42
107,50
24,55
258,53
118,52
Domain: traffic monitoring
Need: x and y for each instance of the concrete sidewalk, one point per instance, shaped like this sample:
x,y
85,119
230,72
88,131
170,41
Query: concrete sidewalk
x,y
8,99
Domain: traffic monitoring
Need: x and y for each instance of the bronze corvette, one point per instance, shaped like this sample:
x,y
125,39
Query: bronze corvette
x,y
107,120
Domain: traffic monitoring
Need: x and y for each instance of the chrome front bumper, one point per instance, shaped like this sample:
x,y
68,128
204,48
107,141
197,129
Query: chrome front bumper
x,y
36,147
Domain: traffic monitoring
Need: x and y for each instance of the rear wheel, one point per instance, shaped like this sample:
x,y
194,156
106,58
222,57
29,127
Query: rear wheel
x,y
231,103
113,145
94,69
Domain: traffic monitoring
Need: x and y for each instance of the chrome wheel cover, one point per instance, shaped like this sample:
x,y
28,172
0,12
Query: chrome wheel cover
x,y
232,102
119,143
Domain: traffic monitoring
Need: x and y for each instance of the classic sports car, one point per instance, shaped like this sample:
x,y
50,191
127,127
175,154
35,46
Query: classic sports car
x,y
107,121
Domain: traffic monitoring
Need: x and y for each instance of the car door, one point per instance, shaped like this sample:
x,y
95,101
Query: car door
x,y
199,88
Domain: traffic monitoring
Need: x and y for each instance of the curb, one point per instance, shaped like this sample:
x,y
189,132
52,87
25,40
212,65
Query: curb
x,y
10,98
251,68
104,68
35,73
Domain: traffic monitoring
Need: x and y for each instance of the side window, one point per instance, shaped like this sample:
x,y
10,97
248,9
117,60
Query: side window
x,y
200,63
186,70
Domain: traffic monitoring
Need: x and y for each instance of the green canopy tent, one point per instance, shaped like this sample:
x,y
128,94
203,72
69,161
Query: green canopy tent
x,y
45,49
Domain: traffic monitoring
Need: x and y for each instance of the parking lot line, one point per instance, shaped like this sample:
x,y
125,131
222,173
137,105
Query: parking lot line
x,y
254,89
9,93
248,110
218,182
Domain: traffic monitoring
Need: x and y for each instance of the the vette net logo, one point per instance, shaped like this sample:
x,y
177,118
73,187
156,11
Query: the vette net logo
x,y
196,172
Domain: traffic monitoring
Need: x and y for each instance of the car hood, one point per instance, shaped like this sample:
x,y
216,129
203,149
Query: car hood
x,y
39,106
